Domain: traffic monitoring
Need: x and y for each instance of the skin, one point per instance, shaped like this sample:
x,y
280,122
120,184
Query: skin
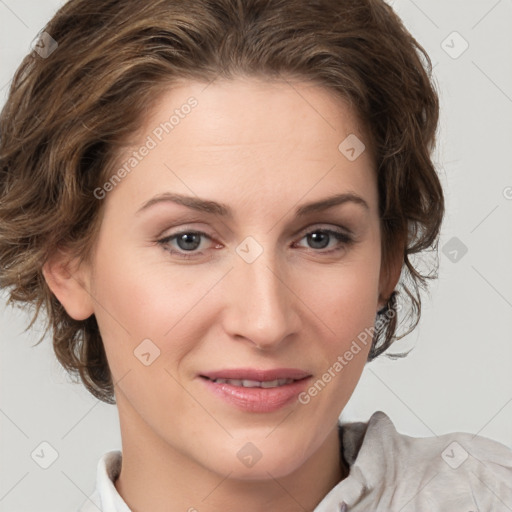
x,y
263,148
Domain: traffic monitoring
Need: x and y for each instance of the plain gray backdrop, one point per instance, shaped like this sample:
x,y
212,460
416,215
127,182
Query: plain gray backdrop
x,y
457,377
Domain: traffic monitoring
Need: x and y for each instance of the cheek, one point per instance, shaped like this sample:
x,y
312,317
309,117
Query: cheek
x,y
345,296
138,301
344,301
349,312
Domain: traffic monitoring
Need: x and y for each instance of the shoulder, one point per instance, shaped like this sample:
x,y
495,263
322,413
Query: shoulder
x,y
449,470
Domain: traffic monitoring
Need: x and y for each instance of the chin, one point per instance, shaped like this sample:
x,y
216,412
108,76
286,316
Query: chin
x,y
258,460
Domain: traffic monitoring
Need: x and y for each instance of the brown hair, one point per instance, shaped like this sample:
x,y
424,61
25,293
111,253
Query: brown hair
x,y
68,114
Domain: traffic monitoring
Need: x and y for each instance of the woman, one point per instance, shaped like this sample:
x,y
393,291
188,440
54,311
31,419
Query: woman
x,y
214,202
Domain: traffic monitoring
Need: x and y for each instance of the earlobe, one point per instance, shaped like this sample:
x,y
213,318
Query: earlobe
x,y
70,284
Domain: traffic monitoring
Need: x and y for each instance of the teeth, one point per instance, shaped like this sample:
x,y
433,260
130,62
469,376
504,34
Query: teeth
x,y
275,383
254,383
251,383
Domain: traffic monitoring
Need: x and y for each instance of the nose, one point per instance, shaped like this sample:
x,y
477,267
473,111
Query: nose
x,y
262,306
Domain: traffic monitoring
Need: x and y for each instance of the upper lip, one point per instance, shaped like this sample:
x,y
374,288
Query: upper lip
x,y
257,375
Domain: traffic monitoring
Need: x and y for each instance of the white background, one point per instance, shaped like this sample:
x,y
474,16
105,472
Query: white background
x,y
457,377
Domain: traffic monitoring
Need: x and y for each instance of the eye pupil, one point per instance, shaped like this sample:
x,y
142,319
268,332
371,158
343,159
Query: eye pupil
x,y
187,238
318,237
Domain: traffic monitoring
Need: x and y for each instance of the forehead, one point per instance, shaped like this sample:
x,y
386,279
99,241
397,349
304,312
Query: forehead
x,y
301,108
256,137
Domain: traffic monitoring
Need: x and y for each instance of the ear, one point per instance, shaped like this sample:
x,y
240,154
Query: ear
x,y
70,283
390,274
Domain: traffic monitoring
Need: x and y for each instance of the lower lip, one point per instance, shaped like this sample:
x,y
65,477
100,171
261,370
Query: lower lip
x,y
257,399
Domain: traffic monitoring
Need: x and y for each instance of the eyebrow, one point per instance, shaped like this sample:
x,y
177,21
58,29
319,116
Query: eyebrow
x,y
215,208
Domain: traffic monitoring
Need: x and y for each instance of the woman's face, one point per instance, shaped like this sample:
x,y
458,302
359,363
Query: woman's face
x,y
254,286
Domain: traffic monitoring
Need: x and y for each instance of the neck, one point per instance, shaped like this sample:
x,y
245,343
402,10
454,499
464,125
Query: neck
x,y
158,477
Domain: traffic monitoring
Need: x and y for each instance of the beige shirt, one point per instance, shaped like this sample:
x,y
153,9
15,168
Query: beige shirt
x,y
389,472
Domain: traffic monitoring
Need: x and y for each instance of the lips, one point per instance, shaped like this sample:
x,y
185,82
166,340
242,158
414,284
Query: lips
x,y
257,391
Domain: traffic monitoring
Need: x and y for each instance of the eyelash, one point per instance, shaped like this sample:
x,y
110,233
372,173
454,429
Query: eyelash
x,y
340,236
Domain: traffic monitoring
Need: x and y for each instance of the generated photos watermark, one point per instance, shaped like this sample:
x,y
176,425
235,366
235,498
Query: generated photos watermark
x,y
363,338
151,142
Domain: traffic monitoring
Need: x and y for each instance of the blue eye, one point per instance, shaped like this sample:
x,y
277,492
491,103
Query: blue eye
x,y
320,238
189,241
